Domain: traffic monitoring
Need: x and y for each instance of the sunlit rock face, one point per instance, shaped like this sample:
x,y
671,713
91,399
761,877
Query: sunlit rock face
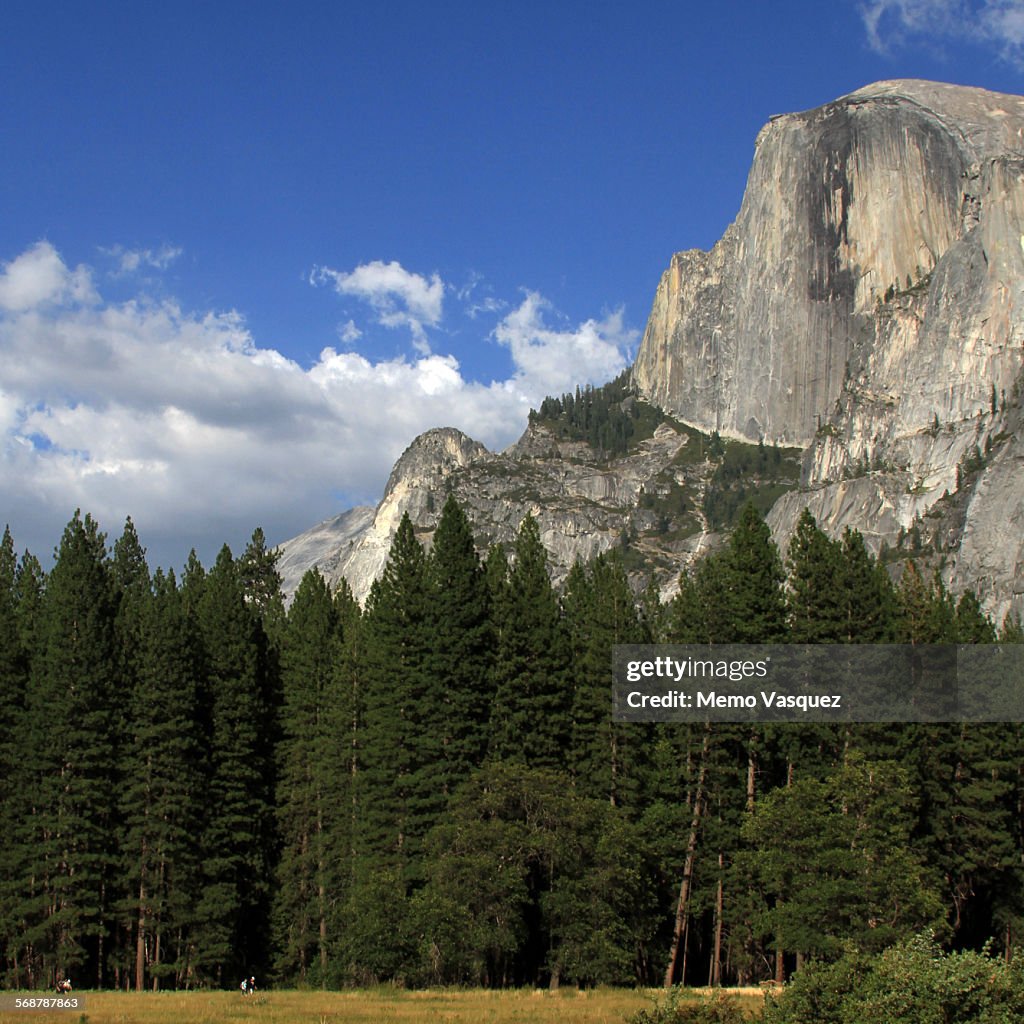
x,y
867,303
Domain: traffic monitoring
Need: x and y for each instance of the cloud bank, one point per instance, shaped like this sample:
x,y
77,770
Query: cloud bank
x,y
181,420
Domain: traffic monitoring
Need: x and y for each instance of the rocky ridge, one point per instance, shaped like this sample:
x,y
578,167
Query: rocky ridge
x,y
584,503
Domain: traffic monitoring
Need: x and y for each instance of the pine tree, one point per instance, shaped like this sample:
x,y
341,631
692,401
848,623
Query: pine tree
x,y
162,792
13,676
130,578
237,832
309,654
261,584
343,720
605,757
686,621
533,696
463,642
401,789
399,784
69,749
869,598
814,597
29,587
741,587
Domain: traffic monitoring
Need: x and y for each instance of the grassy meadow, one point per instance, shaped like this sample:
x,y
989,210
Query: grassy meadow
x,y
376,1006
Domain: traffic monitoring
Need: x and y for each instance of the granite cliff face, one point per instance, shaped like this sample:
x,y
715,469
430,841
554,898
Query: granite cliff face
x,y
867,304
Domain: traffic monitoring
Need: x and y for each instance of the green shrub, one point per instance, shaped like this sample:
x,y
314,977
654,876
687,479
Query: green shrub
x,y
914,982
673,1010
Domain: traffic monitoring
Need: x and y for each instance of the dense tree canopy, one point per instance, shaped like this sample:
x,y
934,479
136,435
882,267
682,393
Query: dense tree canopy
x,y
200,781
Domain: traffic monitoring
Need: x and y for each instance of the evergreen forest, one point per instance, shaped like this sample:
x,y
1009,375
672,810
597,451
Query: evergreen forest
x,y
200,782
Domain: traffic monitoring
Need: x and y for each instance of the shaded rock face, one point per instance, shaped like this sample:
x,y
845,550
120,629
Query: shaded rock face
x,y
868,304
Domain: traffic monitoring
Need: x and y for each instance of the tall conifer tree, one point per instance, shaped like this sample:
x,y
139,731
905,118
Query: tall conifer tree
x,y
305,765
237,834
70,749
463,652
533,696
605,756
163,792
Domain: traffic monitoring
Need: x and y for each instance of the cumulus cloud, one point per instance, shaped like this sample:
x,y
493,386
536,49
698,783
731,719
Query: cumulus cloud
x,y
181,420
399,297
39,277
892,24
550,361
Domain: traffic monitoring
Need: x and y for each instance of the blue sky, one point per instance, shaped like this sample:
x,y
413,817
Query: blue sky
x,y
249,251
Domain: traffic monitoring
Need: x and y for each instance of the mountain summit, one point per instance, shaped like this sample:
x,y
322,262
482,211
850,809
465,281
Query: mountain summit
x,y
866,306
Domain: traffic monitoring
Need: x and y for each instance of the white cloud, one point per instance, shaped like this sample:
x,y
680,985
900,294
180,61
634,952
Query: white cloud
x,y
892,24
399,297
552,361
130,260
184,422
39,277
349,333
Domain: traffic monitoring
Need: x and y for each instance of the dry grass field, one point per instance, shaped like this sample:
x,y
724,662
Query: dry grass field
x,y
378,1006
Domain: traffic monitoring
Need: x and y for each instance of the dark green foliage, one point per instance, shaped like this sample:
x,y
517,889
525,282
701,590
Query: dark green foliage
x,y
609,418
308,789
835,861
604,756
868,598
741,587
238,826
162,794
261,584
401,785
815,596
533,696
433,791
747,474
528,881
13,678
914,982
462,658
926,611
70,753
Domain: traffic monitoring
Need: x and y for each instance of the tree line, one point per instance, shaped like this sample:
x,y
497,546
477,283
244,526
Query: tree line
x,y
199,784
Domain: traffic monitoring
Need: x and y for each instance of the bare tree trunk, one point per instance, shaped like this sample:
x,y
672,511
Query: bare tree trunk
x,y
686,950
683,906
751,769
140,938
716,962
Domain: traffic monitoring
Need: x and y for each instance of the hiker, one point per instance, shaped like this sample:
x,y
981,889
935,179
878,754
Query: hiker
x,y
245,986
